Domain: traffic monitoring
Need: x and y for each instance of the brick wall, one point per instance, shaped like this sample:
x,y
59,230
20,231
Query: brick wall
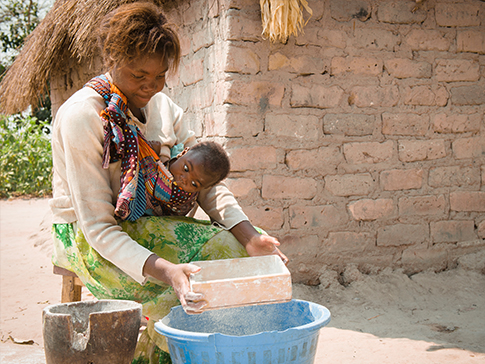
x,y
361,140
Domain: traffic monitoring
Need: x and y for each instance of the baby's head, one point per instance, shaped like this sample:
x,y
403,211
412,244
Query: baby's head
x,y
204,165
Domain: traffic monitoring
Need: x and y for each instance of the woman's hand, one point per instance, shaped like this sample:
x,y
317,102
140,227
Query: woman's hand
x,y
177,276
255,243
264,245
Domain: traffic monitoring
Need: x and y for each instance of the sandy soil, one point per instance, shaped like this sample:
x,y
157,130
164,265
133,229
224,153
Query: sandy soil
x,y
386,317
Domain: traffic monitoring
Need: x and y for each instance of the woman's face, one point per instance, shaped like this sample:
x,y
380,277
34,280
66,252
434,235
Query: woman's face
x,y
141,79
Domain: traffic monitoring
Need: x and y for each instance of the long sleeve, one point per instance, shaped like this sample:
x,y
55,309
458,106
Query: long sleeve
x,y
84,187
85,192
218,202
221,206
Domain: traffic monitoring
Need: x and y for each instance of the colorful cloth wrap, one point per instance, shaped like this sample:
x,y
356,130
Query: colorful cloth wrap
x,y
176,239
146,185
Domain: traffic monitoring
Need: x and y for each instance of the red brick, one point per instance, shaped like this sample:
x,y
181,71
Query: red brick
x,y
406,68
456,123
202,96
339,242
253,158
400,12
402,234
350,184
375,39
322,217
323,160
195,123
426,96
452,231
202,39
356,65
240,187
260,93
468,95
427,40
454,176
454,70
185,45
241,60
419,258
421,150
349,124
467,201
469,148
401,179
423,206
370,152
288,187
303,127
350,9
471,41
304,263
368,210
192,72
332,38
317,96
267,218
405,124
374,96
301,64
242,25
234,121
221,92
309,36
240,4
457,15
192,12
481,230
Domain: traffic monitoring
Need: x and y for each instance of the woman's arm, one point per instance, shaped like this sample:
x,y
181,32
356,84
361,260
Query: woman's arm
x,y
255,243
77,147
221,205
177,276
218,202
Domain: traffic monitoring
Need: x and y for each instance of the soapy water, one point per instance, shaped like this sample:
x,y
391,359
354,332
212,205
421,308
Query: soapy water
x,y
241,321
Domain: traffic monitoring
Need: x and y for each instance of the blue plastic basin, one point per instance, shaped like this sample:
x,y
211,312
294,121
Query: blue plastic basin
x,y
262,334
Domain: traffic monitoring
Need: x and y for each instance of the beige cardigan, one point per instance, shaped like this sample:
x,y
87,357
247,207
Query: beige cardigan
x,y
85,192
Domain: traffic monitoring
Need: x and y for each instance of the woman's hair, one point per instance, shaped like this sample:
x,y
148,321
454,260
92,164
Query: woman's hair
x,y
215,159
136,30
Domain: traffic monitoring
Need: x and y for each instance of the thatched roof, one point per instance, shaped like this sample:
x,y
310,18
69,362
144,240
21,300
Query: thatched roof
x,y
67,31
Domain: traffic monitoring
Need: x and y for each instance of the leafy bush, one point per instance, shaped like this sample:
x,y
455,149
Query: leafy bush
x,y
25,156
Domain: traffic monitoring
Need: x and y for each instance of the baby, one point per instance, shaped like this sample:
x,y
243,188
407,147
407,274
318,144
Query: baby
x,y
196,168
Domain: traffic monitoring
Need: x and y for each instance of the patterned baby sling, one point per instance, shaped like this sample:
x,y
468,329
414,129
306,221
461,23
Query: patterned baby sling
x,y
145,183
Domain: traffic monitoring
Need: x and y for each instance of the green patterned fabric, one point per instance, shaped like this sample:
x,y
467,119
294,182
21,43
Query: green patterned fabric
x,y
176,239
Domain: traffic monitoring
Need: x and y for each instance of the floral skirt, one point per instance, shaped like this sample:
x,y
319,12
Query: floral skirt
x,y
176,239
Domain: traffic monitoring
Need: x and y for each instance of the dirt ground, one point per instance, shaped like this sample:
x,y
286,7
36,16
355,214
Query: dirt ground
x,y
386,317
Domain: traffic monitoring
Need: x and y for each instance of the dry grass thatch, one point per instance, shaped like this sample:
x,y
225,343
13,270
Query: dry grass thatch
x,y
282,18
68,31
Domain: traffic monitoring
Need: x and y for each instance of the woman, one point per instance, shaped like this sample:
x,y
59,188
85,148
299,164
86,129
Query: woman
x,y
97,173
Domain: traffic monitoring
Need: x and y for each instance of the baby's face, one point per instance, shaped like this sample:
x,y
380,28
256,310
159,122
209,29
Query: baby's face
x,y
189,174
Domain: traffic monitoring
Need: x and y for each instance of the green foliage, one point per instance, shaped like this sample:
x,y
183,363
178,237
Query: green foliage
x,y
19,18
140,360
25,150
25,156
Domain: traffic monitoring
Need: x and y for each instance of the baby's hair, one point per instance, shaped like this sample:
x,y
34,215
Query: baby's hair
x,y
215,159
